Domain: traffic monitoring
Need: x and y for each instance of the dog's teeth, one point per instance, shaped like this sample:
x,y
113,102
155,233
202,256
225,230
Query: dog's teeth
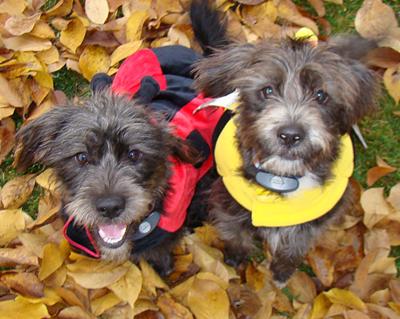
x,y
112,234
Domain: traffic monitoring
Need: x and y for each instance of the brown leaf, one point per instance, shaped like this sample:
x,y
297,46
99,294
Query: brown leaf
x,y
391,78
17,191
62,8
12,223
74,313
26,284
375,173
375,206
97,10
394,196
17,256
172,309
250,2
302,287
244,301
9,92
7,137
322,263
18,25
319,7
374,20
385,312
287,10
27,43
383,58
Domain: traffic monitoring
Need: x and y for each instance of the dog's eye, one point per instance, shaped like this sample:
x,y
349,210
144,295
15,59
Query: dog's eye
x,y
134,155
82,158
267,91
321,96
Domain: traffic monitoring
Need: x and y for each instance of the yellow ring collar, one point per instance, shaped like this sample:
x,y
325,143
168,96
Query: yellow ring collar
x,y
269,209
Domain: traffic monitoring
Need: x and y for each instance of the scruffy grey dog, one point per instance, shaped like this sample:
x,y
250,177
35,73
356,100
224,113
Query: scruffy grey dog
x,y
111,157
296,101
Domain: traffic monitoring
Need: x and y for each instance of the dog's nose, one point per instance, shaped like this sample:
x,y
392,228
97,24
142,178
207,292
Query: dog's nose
x,y
291,135
110,206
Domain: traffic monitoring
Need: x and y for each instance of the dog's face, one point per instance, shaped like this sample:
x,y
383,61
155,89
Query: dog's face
x,y
296,101
111,157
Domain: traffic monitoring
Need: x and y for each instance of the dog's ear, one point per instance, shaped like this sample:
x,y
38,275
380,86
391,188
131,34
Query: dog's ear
x,y
215,75
35,140
362,89
184,150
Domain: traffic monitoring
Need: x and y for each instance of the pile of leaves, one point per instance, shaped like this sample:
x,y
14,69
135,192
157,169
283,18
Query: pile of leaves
x,y
349,274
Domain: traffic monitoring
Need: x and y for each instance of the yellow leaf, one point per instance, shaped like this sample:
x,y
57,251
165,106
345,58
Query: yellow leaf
x,y
375,206
207,300
345,298
93,274
47,180
104,303
49,206
94,59
44,79
97,10
61,9
27,43
391,78
12,7
42,30
20,24
172,309
375,20
12,222
57,279
6,112
73,35
24,309
124,51
17,191
128,287
9,92
135,24
320,307
151,280
53,258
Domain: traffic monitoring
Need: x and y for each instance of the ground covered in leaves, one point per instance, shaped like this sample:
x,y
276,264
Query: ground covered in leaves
x,y
351,273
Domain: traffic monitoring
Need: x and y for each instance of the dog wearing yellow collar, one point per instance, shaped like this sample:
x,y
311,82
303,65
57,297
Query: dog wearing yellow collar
x,y
284,155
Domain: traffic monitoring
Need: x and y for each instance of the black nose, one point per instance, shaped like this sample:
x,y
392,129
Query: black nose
x,y
291,135
110,206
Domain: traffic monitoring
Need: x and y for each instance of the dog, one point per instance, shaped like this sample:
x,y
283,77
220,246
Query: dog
x,y
286,158
128,167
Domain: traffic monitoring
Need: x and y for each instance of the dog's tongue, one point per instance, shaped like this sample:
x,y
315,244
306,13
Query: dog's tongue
x,y
112,232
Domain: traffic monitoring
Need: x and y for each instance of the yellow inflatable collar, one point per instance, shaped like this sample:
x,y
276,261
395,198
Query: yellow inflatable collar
x,y
270,209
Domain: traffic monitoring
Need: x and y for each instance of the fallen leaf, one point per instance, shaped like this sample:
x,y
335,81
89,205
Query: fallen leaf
x,y
391,78
17,256
151,280
24,309
47,180
128,287
374,19
319,7
250,2
302,287
7,138
375,206
217,305
288,11
97,10
6,112
12,7
394,196
53,258
134,25
62,8
379,171
104,303
73,35
383,58
320,307
43,30
9,92
94,59
17,191
74,313
345,298
172,309
26,284
385,312
12,223
322,263
124,50
27,43
50,298
20,24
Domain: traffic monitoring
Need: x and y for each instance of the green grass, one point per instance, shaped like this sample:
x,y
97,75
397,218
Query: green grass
x,y
71,83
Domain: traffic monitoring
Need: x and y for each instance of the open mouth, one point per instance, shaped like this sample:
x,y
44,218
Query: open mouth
x,y
112,235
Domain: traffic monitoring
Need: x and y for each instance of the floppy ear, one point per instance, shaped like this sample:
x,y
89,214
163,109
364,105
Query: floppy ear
x,y
35,140
362,91
184,150
215,75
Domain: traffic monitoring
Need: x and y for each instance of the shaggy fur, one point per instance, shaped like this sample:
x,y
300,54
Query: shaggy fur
x,y
296,101
111,151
